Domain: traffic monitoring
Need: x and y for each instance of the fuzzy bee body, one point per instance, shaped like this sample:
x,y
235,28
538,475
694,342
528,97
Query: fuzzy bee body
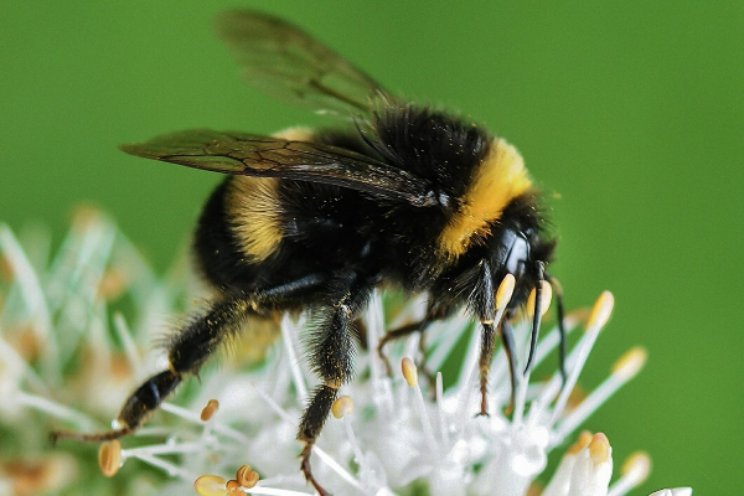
x,y
406,196
262,232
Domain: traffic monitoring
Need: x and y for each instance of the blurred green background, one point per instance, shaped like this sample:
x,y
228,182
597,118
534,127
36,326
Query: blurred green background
x,y
632,112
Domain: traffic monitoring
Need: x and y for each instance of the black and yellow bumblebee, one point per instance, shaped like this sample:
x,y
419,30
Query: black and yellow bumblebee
x,y
404,196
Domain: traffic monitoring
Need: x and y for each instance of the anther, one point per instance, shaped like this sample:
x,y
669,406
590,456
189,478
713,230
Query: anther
x,y
209,410
210,485
246,476
343,406
546,296
582,442
601,310
637,466
410,372
232,488
505,291
109,457
630,363
599,448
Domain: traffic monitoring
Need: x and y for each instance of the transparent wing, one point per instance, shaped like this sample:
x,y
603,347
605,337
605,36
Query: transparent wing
x,y
252,155
283,60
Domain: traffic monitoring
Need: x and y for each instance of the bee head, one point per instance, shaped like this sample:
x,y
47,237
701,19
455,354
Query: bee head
x,y
519,245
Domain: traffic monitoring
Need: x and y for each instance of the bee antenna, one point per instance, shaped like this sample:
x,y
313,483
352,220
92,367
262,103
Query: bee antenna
x,y
536,314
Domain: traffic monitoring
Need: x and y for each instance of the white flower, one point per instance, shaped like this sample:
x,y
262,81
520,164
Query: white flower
x,y
393,435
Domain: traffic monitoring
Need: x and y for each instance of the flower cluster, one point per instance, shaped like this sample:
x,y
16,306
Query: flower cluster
x,y
410,433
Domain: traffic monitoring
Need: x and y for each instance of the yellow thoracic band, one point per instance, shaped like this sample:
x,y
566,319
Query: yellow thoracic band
x,y
496,181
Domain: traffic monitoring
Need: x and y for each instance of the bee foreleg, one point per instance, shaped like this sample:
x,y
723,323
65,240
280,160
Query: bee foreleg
x,y
482,300
507,341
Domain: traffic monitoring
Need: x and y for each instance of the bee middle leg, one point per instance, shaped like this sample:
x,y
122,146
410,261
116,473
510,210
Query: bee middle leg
x,y
434,313
332,359
401,332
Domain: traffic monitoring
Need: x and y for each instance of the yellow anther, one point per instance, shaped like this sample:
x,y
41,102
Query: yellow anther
x,y
599,449
85,216
601,310
233,488
410,372
109,457
209,410
112,284
342,407
505,291
210,485
639,464
6,268
630,363
546,296
576,397
582,442
246,476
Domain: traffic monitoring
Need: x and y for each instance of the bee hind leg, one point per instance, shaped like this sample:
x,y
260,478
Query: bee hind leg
x,y
190,348
187,351
331,356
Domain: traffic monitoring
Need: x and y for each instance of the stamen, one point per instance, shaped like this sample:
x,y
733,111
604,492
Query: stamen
x,y
546,296
342,407
169,468
109,457
167,448
125,336
209,410
598,317
196,419
625,369
333,465
246,476
505,291
599,449
54,409
677,491
294,364
33,295
439,399
628,365
560,483
582,442
210,485
634,472
410,372
601,310
233,488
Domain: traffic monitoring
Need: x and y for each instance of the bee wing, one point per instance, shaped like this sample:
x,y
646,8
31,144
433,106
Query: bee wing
x,y
283,60
252,155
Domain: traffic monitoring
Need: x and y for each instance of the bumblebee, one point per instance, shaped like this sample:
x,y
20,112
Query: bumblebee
x,y
403,196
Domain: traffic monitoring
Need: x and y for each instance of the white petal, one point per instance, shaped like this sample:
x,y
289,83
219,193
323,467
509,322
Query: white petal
x,y
677,491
